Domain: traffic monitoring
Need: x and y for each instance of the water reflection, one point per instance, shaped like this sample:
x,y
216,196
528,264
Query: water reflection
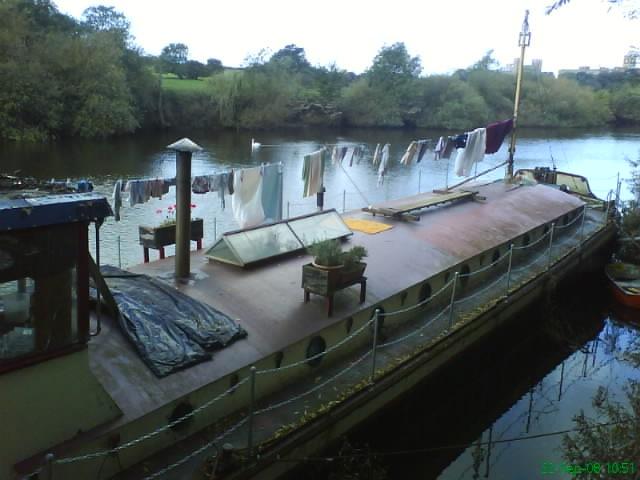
x,y
496,412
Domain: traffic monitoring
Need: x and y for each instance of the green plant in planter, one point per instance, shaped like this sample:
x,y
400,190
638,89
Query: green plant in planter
x,y
328,253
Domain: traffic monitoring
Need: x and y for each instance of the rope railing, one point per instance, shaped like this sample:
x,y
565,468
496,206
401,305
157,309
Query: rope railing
x,y
374,320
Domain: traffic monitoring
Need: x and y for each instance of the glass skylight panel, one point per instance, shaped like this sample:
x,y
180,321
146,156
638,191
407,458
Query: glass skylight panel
x,y
260,243
324,226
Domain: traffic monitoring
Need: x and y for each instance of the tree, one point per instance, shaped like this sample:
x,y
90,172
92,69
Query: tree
x,y
291,58
193,70
107,19
393,67
214,66
173,56
486,62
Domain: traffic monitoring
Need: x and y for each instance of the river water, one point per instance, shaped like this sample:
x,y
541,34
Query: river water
x,y
598,155
530,380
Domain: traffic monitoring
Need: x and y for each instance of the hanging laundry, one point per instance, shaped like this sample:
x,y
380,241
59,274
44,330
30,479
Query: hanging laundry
x,y
157,188
246,201
348,156
437,151
200,184
422,149
409,154
139,191
460,141
230,180
376,155
223,182
272,191
496,133
358,154
335,155
384,161
472,153
117,199
313,172
448,148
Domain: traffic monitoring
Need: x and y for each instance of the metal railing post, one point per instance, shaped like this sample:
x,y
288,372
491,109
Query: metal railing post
x,y
119,253
344,201
509,269
606,213
584,214
453,298
419,180
49,457
215,229
553,226
374,349
252,401
288,209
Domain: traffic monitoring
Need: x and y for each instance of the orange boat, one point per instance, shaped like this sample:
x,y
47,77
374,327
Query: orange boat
x,y
625,283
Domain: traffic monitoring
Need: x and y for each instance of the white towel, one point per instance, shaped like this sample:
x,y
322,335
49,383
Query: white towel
x,y
246,201
384,160
472,153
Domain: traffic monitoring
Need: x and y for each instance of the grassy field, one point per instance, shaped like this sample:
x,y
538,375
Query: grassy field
x,y
175,84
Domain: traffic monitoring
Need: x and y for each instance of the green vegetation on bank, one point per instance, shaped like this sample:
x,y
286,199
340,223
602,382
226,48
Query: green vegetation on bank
x,y
62,77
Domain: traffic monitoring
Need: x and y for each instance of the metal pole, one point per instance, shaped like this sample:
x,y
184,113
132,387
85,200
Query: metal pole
x,y
453,297
288,209
561,381
419,180
98,303
252,385
374,349
553,226
119,253
509,269
584,214
446,179
344,201
183,213
530,407
488,462
523,41
606,214
49,457
215,229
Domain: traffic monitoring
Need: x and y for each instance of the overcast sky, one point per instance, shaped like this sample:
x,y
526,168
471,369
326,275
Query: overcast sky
x,y
446,34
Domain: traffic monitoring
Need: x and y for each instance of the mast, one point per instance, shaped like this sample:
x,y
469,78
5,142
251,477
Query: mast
x,y
523,42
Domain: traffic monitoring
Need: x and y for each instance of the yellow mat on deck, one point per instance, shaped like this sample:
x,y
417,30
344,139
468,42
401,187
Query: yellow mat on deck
x,y
366,226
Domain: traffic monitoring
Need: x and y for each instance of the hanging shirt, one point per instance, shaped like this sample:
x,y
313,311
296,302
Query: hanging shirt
x,y
438,148
200,184
335,153
313,172
117,199
448,148
384,160
157,188
272,191
496,133
139,191
348,156
409,154
422,149
376,155
472,153
246,201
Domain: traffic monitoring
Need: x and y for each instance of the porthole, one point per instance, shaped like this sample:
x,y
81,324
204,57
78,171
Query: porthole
x,y
496,255
315,349
279,357
464,275
526,240
233,381
403,297
182,409
348,324
425,292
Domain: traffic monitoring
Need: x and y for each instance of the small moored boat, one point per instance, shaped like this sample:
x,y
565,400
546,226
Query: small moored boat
x,y
625,283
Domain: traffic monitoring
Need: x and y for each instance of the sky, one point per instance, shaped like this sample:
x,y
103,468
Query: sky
x,y
445,34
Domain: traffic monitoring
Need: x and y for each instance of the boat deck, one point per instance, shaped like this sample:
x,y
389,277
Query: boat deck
x,y
402,206
267,300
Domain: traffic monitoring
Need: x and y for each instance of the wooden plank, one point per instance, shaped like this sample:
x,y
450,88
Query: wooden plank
x,y
396,208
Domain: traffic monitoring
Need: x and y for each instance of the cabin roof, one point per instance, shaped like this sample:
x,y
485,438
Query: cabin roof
x,y
25,213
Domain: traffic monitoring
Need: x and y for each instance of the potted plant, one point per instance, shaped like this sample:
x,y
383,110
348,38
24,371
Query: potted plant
x,y
165,233
332,269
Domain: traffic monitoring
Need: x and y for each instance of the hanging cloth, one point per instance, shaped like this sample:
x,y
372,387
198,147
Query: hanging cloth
x,y
448,148
117,199
313,172
384,161
496,133
246,202
439,148
472,153
272,192
376,155
409,153
422,149
200,184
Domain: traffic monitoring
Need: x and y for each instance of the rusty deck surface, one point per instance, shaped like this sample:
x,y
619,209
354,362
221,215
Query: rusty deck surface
x,y
267,300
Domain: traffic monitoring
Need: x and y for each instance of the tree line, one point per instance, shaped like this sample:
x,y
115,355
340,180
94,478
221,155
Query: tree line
x,y
65,77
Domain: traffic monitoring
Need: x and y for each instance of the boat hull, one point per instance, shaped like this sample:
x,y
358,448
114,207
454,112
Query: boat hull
x,y
621,278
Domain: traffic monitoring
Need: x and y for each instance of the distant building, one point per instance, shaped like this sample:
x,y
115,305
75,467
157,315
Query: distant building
x,y
631,60
536,66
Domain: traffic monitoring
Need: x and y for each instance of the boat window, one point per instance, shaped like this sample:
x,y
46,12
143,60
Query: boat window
x,y
565,219
546,229
243,247
181,424
317,346
38,292
464,275
319,227
425,292
349,325
279,358
496,256
526,240
481,260
403,297
447,277
233,381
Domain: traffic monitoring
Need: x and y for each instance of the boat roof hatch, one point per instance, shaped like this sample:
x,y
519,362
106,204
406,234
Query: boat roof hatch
x,y
243,247
24,213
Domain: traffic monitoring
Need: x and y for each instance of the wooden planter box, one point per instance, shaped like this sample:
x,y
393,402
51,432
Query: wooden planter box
x,y
159,237
327,282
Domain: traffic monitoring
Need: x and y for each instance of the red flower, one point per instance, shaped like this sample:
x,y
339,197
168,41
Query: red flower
x,y
159,210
